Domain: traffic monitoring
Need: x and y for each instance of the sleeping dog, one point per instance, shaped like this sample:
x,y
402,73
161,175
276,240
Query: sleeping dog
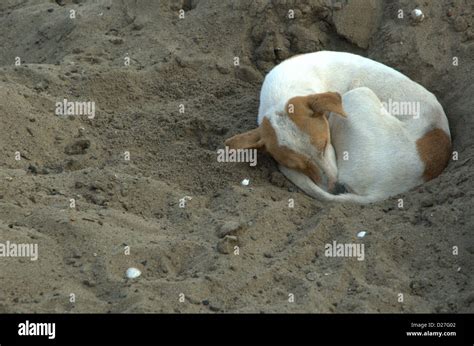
x,y
321,140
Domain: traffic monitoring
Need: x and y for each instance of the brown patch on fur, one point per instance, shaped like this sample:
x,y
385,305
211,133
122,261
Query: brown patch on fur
x,y
264,137
308,113
285,156
434,149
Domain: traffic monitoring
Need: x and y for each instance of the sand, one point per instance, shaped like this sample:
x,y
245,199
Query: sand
x,y
158,124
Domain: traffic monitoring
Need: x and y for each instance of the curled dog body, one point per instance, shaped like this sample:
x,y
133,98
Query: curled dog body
x,y
304,125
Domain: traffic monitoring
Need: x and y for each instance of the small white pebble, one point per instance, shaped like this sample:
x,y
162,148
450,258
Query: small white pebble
x,y
245,182
417,15
133,273
361,234
459,269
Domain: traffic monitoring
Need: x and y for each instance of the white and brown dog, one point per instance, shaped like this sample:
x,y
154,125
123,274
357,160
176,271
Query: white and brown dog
x,y
320,139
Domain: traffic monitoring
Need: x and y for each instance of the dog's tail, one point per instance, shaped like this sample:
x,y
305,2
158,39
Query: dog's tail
x,y
313,190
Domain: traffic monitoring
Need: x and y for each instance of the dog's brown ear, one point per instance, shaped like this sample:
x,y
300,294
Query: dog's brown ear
x,y
315,105
248,140
326,102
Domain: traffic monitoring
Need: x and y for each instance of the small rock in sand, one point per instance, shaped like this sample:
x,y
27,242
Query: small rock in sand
x,y
79,147
228,228
248,74
460,24
427,201
226,245
245,182
417,15
278,179
133,273
116,40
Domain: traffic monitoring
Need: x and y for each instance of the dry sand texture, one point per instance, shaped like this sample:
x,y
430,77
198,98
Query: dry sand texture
x,y
135,203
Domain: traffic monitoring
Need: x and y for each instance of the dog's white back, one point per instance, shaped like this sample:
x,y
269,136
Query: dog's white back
x,y
341,72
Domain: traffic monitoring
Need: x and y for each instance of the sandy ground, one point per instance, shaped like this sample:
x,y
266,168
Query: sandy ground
x,y
136,203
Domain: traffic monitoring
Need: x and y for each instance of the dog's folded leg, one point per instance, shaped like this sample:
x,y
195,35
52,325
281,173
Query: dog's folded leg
x,y
313,190
306,184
